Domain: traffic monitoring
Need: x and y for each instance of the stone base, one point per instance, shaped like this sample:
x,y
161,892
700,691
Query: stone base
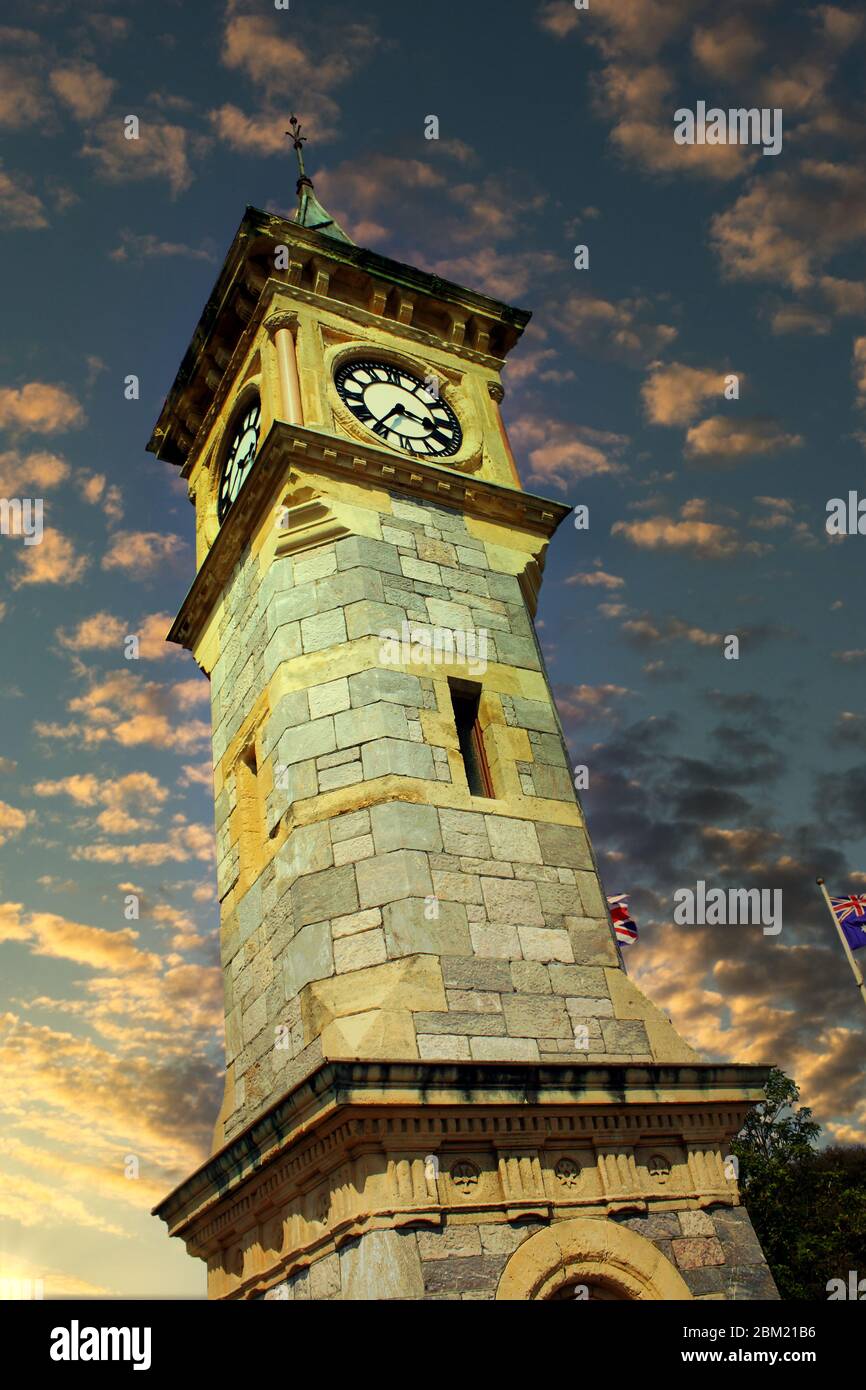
x,y
448,1180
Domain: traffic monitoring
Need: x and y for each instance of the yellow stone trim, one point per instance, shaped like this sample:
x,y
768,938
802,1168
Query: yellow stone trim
x,y
589,1250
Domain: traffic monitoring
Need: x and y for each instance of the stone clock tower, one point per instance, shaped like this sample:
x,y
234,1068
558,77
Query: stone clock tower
x,y
440,1082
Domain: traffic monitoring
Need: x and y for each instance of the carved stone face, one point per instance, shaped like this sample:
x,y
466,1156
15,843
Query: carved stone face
x,y
659,1169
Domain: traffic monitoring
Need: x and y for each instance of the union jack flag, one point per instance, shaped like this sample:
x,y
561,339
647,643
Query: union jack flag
x,y
625,928
851,915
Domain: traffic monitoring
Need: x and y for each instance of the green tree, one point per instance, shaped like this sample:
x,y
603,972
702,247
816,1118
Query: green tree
x,y
808,1207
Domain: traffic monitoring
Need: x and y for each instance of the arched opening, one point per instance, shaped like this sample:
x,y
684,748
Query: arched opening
x,y
608,1261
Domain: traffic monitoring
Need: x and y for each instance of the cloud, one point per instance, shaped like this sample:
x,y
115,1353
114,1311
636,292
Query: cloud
x,y
135,247
18,206
559,452
723,437
580,704
674,394
22,94
142,552
188,842
12,821
503,275
124,708
39,408
83,88
788,224
106,632
689,533
259,134
95,489
21,474
620,330
162,151
727,51
558,17
54,561
128,802
597,579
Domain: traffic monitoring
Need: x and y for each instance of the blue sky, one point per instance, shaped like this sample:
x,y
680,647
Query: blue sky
x,y
706,516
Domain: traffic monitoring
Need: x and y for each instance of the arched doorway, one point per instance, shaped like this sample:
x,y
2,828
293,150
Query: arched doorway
x,y
610,1260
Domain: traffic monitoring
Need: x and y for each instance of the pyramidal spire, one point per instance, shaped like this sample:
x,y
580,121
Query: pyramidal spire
x,y
309,212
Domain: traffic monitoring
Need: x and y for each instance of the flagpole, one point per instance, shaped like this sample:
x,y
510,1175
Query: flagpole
x,y
855,969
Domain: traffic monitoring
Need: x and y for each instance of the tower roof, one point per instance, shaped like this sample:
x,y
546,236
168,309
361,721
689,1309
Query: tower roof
x,y
310,212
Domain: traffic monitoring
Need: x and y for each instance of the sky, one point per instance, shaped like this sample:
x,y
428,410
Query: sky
x,y
706,515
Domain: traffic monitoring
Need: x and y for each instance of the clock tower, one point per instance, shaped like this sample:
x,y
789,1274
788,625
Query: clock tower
x,y
440,1082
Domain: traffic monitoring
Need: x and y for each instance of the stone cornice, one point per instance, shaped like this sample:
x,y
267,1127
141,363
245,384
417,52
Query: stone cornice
x,y
311,451
509,1104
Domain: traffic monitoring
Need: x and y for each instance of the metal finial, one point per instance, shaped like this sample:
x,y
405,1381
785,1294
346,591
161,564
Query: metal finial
x,y
298,141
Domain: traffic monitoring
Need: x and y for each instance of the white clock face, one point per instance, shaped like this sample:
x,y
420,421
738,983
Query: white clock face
x,y
240,457
399,408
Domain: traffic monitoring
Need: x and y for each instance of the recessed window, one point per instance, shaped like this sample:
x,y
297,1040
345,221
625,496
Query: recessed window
x,y
466,700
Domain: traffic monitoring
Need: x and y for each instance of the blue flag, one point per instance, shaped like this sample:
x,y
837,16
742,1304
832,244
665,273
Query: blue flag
x,y
851,915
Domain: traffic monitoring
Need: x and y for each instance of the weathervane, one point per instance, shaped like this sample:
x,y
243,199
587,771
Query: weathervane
x,y
298,141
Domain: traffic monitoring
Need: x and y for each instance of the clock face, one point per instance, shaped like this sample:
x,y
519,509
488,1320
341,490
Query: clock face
x,y
240,457
397,407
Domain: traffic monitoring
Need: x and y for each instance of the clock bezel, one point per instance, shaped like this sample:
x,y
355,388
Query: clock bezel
x,y
251,391
467,458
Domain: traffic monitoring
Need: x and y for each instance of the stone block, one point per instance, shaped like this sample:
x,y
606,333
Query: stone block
x,y
315,564
409,931
625,1036
330,698
381,1264
320,896
566,845
530,977
462,972
465,833
348,827
462,888
306,851
309,741
361,725
536,1016
495,940
513,840
351,851
448,1047
385,683
504,1049
356,922
364,550
697,1252
285,645
579,980
349,586
289,713
512,900
402,825
367,618
447,1241
358,951
308,956
396,757
392,877
544,944
290,607
324,630
346,775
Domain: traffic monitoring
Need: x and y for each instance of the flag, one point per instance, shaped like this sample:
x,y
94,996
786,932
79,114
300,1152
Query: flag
x,y
625,928
851,916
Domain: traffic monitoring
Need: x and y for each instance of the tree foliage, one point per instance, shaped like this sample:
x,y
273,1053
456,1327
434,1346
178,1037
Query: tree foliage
x,y
808,1206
